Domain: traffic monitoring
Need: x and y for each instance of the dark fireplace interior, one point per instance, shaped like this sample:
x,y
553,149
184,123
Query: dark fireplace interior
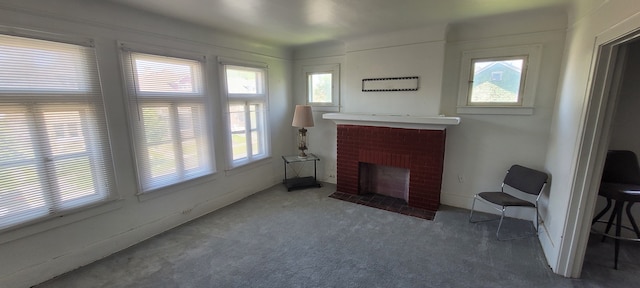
x,y
384,180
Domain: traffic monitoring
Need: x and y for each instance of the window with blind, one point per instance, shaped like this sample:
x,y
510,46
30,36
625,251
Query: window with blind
x,y
169,116
54,148
246,99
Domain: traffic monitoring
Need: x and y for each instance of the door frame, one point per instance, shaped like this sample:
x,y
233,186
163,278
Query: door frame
x,y
604,85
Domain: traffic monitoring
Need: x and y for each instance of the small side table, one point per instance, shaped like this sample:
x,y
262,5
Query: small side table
x,y
298,182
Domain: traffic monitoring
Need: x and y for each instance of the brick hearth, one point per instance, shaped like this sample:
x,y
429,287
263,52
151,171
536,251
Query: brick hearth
x,y
420,151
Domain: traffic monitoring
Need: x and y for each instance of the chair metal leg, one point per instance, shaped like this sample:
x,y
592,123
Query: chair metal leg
x,y
473,205
502,214
611,218
537,218
500,224
604,211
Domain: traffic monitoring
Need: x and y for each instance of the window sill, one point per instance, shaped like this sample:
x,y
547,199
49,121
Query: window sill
x,y
39,226
152,194
248,166
322,108
495,110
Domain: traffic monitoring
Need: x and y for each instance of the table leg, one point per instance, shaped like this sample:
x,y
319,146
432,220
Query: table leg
x,y
633,221
618,210
610,222
285,172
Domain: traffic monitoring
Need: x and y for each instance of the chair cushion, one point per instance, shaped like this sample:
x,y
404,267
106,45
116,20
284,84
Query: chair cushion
x,y
504,199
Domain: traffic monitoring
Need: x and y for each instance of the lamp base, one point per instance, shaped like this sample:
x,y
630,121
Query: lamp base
x,y
302,142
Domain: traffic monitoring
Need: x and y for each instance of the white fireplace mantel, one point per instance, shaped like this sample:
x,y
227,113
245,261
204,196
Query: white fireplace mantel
x,y
394,121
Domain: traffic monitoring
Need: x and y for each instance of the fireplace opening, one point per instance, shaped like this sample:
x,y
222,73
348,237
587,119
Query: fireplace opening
x,y
384,180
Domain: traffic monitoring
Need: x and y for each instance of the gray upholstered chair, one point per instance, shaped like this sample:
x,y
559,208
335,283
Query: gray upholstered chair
x,y
521,178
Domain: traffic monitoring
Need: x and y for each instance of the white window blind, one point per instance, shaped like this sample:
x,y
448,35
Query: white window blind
x,y
246,98
54,151
168,109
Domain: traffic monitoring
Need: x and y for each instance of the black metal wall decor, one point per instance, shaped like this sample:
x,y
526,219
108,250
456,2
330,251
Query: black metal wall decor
x,y
390,84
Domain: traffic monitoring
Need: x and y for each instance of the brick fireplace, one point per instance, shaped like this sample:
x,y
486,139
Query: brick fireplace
x,y
418,150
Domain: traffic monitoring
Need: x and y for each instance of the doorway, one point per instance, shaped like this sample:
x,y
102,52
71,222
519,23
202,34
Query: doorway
x,y
624,135
607,89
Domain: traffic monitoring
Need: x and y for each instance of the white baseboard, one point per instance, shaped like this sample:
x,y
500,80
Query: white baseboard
x,y
456,200
548,247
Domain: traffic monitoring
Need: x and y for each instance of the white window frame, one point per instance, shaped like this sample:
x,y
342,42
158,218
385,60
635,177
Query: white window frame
x,y
523,81
530,74
260,98
183,176
87,100
334,70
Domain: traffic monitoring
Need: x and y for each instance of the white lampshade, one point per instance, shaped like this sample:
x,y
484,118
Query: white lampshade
x,y
302,117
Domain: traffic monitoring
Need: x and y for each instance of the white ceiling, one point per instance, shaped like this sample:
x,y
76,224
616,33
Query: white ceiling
x,y
300,22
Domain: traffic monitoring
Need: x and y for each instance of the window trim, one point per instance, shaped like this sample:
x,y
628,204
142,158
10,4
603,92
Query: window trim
x,y
133,108
248,99
530,76
334,70
523,81
54,37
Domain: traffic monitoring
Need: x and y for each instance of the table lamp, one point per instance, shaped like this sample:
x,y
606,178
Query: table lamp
x,y
302,117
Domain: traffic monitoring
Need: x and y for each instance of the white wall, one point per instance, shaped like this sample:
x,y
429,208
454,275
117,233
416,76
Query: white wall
x,y
416,52
594,18
39,252
481,149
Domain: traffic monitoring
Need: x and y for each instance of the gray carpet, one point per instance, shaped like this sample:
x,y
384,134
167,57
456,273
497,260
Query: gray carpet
x,y
303,238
